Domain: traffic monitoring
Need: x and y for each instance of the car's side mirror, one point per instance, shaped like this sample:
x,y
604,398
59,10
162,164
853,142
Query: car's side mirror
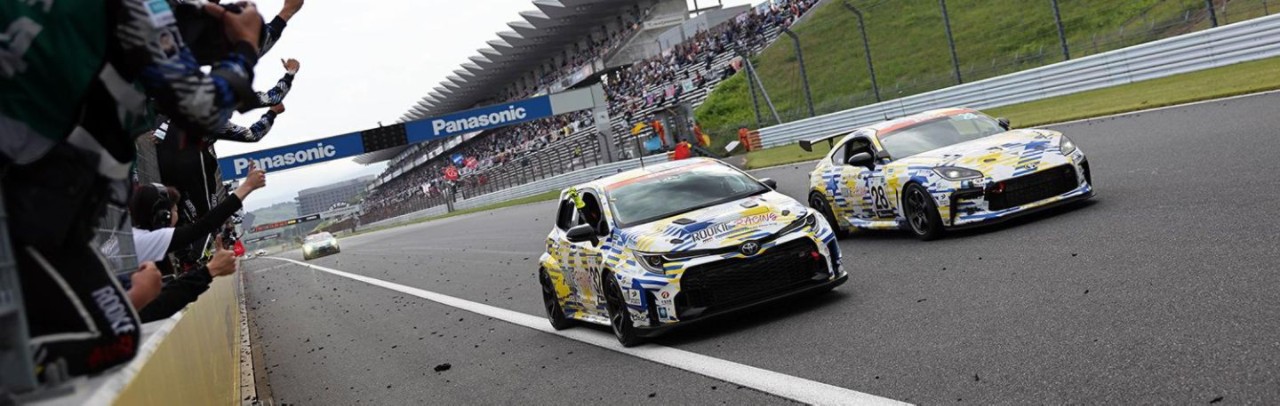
x,y
581,233
862,159
1004,123
772,184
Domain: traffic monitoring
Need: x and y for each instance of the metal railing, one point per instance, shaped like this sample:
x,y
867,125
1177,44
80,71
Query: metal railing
x,y
1225,45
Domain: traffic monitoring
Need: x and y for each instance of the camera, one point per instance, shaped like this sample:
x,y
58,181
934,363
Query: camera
x,y
203,33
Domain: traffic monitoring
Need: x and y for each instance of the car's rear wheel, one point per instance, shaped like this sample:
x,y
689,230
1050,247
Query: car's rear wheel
x,y
922,215
619,317
819,202
552,305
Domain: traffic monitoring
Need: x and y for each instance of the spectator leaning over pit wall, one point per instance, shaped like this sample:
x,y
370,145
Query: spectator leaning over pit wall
x,y
185,155
154,210
75,81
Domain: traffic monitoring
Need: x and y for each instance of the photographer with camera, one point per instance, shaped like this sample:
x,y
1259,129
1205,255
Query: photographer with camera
x,y
187,287
154,209
76,85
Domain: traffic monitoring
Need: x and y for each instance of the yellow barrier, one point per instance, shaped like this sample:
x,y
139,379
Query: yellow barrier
x,y
198,362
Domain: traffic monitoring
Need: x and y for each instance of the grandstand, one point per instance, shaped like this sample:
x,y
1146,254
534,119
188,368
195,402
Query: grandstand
x,y
650,56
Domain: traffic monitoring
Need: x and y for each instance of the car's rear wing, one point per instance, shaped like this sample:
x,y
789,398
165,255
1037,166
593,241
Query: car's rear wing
x,y
807,145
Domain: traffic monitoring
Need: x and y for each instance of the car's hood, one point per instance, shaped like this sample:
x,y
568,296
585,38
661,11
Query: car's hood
x,y
717,226
994,155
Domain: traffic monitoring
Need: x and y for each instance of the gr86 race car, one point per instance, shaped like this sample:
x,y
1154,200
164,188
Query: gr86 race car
x,y
648,249
944,169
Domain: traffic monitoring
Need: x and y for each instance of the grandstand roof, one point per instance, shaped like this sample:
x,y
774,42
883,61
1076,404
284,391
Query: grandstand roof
x,y
553,25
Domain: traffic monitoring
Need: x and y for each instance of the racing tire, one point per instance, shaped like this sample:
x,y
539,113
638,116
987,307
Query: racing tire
x,y
619,317
555,314
819,202
921,212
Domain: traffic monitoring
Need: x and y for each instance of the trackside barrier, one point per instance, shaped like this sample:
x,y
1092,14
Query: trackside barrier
x,y
190,358
1240,42
557,182
528,189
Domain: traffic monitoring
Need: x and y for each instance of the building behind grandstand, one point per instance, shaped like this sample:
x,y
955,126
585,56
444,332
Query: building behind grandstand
x,y
318,199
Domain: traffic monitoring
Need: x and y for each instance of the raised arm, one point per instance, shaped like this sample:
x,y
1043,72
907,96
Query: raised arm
x,y
150,41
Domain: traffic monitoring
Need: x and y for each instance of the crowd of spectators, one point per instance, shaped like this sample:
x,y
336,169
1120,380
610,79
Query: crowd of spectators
x,y
629,90
654,81
426,184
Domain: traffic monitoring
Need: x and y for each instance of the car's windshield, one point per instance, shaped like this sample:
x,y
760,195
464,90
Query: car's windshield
x,y
317,237
931,135
680,190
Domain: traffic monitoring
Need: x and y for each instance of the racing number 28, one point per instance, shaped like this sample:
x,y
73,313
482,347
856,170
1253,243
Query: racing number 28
x,y
879,200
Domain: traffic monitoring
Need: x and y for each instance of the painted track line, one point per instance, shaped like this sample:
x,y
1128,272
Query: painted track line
x,y
774,383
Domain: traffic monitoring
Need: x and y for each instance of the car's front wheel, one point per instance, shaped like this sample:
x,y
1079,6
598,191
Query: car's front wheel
x,y
550,302
921,212
819,202
619,317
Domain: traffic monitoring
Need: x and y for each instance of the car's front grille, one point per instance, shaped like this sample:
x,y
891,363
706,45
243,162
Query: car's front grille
x,y
1030,188
740,280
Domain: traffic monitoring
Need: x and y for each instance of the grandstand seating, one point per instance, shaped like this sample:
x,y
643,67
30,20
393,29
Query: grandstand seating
x,y
579,149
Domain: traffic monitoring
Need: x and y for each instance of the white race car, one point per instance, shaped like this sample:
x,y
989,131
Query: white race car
x,y
942,170
318,245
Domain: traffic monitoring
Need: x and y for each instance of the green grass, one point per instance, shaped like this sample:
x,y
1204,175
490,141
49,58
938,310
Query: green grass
x,y
542,197
910,51
785,154
1232,80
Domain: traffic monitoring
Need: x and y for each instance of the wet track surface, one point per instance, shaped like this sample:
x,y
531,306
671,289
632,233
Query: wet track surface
x,y
1163,289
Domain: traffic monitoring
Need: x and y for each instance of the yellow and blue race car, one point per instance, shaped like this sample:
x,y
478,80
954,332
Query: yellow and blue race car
x,y
943,169
645,250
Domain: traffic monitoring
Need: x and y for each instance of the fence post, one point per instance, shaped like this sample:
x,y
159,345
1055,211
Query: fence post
x,y
951,42
751,86
804,77
751,70
1213,14
1062,32
866,48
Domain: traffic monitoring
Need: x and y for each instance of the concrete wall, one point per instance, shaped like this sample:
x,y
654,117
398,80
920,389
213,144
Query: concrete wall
x,y
198,361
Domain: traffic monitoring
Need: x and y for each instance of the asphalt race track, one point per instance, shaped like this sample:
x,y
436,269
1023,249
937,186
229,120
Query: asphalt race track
x,y
1163,289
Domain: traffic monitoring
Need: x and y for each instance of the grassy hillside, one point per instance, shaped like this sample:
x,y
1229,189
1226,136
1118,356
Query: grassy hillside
x,y
276,212
909,46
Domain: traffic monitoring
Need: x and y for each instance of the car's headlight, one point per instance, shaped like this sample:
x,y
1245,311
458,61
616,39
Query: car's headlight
x,y
954,173
1066,145
652,263
807,221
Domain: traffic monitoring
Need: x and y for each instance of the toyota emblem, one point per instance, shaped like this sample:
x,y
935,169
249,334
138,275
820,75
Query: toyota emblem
x,y
750,248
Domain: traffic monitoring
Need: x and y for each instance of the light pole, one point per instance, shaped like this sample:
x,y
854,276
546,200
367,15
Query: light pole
x,y
1213,14
1062,32
866,47
804,77
955,61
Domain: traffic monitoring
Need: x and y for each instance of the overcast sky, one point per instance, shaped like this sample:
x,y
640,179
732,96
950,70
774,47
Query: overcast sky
x,y
365,62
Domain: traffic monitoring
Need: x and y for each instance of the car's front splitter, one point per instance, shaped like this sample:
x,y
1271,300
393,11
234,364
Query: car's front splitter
x,y
653,331
1083,192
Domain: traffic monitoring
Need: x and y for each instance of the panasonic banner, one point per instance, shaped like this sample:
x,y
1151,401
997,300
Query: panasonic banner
x,y
427,129
291,156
